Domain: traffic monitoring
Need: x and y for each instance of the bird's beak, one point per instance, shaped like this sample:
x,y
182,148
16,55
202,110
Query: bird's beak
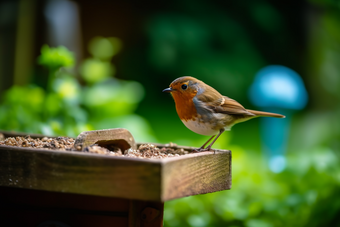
x,y
168,90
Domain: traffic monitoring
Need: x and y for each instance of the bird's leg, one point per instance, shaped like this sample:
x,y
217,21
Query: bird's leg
x,y
210,145
202,147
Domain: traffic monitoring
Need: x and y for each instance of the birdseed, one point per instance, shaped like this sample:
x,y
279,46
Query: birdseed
x,y
67,144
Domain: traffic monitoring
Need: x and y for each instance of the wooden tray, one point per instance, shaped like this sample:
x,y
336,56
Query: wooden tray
x,y
111,176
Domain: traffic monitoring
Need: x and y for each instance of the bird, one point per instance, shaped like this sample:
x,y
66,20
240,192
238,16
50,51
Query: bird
x,y
203,110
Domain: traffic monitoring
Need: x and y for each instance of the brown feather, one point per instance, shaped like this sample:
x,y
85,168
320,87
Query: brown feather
x,y
230,106
224,104
219,103
265,114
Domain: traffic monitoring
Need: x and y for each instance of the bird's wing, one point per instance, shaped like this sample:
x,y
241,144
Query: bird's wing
x,y
216,103
230,106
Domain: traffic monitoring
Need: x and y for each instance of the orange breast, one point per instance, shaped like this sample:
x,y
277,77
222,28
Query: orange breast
x,y
185,106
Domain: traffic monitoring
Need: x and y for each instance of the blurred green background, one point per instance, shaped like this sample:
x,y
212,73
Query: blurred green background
x,y
70,66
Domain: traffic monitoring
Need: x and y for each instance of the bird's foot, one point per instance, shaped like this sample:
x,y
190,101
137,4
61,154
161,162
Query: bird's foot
x,y
202,150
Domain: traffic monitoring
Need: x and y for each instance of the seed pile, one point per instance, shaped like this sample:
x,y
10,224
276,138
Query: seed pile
x,y
67,144
60,143
151,151
144,151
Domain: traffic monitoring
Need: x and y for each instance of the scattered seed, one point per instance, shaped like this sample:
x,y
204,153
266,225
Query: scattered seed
x,y
67,144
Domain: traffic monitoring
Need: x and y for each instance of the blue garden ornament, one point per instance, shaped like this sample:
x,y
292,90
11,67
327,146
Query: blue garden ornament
x,y
281,90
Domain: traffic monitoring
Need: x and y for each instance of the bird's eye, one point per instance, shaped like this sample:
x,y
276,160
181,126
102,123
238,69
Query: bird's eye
x,y
184,86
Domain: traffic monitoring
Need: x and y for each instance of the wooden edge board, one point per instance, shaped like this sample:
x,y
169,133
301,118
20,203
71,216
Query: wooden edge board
x,y
198,174
80,173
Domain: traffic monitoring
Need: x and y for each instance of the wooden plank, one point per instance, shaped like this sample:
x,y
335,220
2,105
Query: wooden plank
x,y
199,174
34,218
46,200
25,207
82,173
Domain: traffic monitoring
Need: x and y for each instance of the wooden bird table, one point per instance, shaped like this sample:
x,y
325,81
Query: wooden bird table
x,y
44,188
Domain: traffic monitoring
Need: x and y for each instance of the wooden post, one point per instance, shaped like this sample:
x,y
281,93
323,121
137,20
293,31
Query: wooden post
x,y
145,214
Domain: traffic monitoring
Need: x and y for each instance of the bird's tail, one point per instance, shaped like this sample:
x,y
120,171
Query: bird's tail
x,y
265,114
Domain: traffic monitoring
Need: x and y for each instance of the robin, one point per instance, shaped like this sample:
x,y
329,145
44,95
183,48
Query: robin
x,y
205,111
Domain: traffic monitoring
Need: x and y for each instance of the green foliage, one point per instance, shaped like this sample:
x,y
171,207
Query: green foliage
x,y
21,107
94,70
104,48
99,68
56,57
66,107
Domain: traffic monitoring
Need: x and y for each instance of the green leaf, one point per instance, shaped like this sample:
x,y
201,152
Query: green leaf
x,y
55,58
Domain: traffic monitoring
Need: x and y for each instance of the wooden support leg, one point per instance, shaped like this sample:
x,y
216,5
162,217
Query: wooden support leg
x,y
145,214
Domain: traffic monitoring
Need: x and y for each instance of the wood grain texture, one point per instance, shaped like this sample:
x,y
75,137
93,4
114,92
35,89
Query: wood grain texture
x,y
122,177
199,174
81,173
